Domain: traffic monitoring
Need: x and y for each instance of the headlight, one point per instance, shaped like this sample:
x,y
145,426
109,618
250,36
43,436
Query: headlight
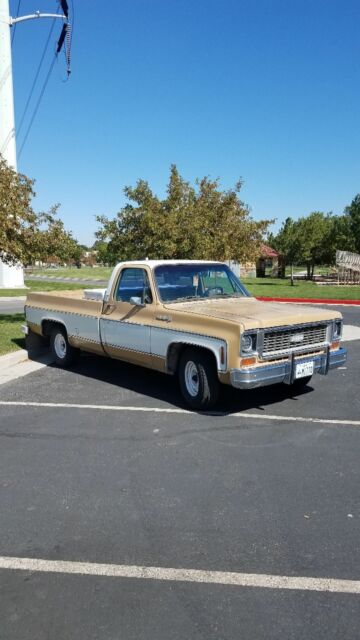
x,y
248,342
337,330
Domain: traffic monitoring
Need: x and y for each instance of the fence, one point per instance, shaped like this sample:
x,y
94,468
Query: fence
x,y
348,265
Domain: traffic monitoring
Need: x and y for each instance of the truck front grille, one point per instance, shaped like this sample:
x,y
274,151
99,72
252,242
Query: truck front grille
x,y
295,339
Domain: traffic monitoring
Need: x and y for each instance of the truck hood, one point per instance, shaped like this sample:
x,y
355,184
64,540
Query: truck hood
x,y
255,314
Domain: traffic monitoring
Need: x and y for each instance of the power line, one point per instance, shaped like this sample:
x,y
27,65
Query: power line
x,y
17,15
38,103
72,21
65,34
36,76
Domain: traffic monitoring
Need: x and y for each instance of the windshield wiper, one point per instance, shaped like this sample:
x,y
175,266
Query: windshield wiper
x,y
185,298
206,298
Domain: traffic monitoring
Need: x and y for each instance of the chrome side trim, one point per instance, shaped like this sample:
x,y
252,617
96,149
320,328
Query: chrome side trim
x,y
77,325
261,376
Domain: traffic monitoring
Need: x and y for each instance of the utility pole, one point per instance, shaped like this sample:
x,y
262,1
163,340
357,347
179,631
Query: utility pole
x,y
12,276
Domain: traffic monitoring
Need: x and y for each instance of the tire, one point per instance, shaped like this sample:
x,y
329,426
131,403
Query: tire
x,y
198,379
64,354
301,382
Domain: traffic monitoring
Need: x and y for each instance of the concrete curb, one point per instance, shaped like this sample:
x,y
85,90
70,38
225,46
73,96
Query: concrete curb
x,y
18,364
13,358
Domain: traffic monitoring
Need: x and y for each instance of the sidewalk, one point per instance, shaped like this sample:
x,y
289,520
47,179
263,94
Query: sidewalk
x,y
17,364
10,305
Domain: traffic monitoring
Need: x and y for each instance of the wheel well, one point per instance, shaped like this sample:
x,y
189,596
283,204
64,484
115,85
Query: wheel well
x,y
175,351
48,325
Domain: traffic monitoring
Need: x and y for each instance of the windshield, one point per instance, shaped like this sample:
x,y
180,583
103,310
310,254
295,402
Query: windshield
x,y
179,282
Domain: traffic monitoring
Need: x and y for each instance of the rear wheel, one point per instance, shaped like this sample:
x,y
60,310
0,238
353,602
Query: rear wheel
x,y
64,354
198,378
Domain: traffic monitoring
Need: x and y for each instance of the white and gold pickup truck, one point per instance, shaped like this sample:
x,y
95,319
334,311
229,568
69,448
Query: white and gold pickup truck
x,y
194,319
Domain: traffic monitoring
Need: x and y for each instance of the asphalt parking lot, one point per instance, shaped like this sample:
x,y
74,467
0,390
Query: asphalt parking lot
x,y
128,517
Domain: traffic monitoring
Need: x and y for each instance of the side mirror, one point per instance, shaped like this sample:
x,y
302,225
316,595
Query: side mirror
x,y
136,301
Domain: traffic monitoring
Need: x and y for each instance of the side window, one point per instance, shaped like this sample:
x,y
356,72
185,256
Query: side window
x,y
133,283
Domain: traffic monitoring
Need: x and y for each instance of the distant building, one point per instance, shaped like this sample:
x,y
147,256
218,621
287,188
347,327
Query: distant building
x,y
269,264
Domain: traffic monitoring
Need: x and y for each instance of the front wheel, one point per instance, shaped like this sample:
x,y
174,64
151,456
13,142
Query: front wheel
x,y
64,354
198,378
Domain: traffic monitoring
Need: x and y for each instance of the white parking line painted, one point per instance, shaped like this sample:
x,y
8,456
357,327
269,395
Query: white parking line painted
x,y
239,414
350,332
263,581
98,407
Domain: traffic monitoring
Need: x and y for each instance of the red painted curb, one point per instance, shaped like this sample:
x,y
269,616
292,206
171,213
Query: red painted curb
x,y
312,300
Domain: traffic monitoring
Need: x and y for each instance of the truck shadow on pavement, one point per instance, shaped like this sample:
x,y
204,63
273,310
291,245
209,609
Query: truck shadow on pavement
x,y
152,385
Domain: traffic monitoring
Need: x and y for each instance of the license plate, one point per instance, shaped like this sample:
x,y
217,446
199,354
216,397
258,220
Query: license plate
x,y
304,369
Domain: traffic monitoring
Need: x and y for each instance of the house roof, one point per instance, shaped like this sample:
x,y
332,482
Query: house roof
x,y
268,252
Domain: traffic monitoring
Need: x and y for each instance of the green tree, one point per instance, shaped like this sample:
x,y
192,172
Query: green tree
x,y
101,249
18,221
352,215
309,240
288,243
314,232
340,237
199,222
26,236
59,242
50,239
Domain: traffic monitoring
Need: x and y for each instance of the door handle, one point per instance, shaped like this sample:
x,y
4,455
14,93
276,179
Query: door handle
x,y
163,318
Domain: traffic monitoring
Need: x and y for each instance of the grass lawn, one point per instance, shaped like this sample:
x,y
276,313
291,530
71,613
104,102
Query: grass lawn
x,y
303,269
99,273
104,272
277,288
270,287
41,286
11,337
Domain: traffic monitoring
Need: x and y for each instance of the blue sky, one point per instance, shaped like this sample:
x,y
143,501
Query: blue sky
x,y
265,90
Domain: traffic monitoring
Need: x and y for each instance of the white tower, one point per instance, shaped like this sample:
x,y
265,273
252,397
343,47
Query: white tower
x,y
13,276
10,276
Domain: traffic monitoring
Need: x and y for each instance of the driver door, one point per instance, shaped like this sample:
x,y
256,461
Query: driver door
x,y
125,327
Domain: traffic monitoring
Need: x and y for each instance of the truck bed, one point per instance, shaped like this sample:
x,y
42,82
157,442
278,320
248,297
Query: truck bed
x,y
67,301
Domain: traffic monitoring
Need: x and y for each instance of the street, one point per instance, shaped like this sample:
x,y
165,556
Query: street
x,y
12,305
268,485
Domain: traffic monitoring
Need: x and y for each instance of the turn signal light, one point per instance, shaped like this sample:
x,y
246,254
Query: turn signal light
x,y
335,345
247,362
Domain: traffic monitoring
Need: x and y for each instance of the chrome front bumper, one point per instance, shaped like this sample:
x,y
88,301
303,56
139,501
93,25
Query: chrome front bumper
x,y
263,375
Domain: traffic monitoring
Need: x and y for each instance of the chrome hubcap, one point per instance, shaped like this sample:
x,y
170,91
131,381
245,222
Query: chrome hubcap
x,y
60,345
191,379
